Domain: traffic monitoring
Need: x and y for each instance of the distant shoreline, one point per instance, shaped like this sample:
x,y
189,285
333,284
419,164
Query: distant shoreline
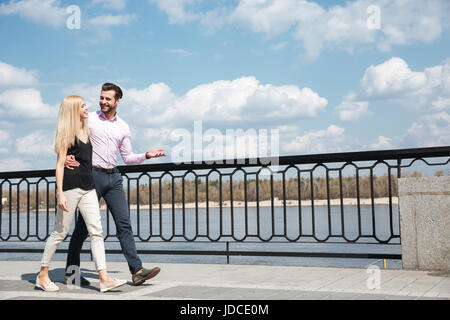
x,y
250,204
268,203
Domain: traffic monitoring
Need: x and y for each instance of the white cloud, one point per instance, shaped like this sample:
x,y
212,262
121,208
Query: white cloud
x,y
318,28
44,12
429,131
278,46
395,83
11,76
109,20
273,17
26,104
352,110
18,98
5,140
155,102
176,11
331,139
244,100
181,52
111,4
101,24
345,26
390,79
37,143
156,111
382,143
13,164
441,103
161,135
90,94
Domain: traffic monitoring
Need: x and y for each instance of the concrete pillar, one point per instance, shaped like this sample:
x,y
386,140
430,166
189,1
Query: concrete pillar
x,y
424,205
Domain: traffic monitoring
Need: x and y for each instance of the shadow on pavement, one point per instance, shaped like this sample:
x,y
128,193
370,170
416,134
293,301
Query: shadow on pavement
x,y
57,276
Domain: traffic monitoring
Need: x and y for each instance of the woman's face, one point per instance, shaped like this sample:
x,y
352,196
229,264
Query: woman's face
x,y
84,111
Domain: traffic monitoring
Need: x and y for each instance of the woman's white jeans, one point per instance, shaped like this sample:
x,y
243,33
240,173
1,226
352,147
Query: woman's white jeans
x,y
87,203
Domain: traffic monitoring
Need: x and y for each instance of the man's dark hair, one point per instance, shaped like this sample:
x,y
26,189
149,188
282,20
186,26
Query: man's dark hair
x,y
111,86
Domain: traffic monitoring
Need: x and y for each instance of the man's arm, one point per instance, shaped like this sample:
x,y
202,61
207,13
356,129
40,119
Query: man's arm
x,y
129,157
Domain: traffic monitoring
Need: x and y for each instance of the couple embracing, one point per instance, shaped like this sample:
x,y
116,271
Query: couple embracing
x,y
87,145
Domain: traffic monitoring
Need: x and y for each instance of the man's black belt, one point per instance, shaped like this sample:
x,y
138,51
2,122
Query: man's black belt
x,y
109,171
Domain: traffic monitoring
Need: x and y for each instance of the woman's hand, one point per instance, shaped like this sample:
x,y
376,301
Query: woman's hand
x,y
62,202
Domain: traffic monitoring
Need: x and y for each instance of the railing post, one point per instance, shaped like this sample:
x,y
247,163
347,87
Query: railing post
x,y
425,237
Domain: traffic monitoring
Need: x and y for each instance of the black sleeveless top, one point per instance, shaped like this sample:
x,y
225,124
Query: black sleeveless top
x,y
81,176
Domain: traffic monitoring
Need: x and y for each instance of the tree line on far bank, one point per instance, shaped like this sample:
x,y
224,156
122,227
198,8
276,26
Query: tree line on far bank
x,y
264,190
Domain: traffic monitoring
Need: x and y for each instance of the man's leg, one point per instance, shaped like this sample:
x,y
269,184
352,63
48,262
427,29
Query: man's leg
x,y
79,234
117,203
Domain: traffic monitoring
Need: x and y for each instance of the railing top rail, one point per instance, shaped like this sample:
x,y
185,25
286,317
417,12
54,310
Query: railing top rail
x,y
395,154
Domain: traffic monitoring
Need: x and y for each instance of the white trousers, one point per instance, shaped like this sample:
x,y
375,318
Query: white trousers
x,y
87,203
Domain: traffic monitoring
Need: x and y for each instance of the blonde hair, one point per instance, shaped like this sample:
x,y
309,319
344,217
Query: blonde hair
x,y
69,123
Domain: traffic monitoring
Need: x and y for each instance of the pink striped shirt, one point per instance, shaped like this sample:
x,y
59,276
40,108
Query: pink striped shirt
x,y
108,138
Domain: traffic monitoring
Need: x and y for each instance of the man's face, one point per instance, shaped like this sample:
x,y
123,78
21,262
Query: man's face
x,y
108,103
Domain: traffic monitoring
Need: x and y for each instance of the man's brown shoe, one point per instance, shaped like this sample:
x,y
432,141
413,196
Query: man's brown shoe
x,y
146,274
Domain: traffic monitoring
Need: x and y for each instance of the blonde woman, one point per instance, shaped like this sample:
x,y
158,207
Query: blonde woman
x,y
75,189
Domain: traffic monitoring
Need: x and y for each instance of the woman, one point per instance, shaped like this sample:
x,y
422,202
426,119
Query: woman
x,y
75,189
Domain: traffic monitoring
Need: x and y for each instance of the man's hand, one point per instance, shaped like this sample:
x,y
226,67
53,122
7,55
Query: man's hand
x,y
71,162
155,153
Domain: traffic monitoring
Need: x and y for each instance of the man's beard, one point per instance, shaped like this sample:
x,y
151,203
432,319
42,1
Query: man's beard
x,y
107,109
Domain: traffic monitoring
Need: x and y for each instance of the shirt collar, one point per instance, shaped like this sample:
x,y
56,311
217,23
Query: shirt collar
x,y
101,115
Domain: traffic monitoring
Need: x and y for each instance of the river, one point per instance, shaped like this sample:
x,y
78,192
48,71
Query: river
x,y
277,225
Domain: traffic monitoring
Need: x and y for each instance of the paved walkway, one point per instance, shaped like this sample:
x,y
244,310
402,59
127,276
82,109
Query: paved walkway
x,y
232,282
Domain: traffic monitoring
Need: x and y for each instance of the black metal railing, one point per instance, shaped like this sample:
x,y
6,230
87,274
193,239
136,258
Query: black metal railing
x,y
300,201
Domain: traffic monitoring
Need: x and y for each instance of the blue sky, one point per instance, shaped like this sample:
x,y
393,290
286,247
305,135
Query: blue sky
x,y
320,72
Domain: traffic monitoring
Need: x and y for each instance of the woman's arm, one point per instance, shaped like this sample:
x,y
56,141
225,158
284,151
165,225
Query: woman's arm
x,y
62,202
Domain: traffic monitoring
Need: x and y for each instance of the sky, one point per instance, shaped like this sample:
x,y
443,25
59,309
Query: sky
x,y
307,77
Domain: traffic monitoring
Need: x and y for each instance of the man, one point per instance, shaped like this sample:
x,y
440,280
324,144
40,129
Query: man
x,y
110,135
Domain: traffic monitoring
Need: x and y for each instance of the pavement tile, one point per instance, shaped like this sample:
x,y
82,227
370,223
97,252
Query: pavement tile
x,y
15,285
229,282
366,296
184,292
397,297
40,298
432,298
343,296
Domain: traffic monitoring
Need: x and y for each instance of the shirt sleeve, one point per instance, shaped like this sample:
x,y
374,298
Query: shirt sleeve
x,y
126,151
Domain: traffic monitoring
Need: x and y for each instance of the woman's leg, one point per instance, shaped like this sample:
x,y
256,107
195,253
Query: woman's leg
x,y
89,209
80,232
63,220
